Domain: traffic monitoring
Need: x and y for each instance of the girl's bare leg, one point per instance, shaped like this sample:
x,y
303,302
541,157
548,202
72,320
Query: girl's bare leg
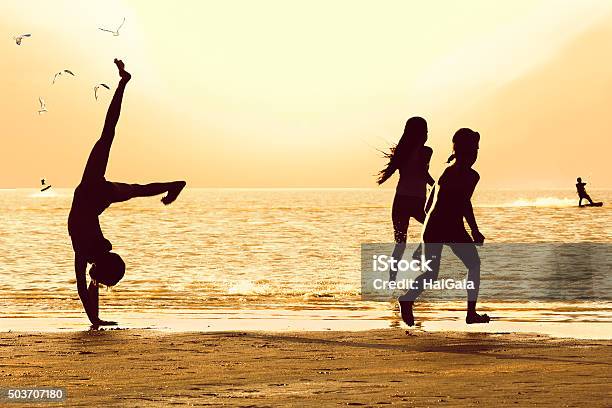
x,y
469,256
98,158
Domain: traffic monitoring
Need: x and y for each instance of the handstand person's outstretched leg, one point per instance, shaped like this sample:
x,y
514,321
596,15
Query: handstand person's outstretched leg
x,y
123,192
98,158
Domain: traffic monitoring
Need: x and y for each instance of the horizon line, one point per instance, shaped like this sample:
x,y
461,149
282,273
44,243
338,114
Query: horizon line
x,y
331,188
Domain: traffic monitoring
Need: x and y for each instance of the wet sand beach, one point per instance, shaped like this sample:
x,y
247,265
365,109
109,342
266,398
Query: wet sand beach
x,y
329,368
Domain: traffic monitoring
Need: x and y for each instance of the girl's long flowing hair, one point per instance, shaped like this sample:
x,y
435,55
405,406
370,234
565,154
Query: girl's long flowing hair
x,y
415,133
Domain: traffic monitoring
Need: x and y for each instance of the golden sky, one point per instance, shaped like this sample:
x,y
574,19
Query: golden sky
x,y
298,94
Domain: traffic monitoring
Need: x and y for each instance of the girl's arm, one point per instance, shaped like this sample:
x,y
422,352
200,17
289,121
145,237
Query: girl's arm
x,y
470,218
92,293
80,268
435,190
89,296
428,153
469,215
430,199
430,180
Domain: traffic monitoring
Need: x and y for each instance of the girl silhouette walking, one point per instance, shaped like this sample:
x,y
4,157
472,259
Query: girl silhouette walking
x,y
411,158
450,203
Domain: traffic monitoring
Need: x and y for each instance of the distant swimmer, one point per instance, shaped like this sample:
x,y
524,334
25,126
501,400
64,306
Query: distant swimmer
x,y
94,195
19,38
98,87
64,71
45,186
582,195
115,32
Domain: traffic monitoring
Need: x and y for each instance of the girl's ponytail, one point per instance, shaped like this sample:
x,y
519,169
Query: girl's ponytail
x,y
463,139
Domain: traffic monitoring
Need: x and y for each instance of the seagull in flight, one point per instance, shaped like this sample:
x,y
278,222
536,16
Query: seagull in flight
x,y
116,32
96,89
65,71
43,106
18,38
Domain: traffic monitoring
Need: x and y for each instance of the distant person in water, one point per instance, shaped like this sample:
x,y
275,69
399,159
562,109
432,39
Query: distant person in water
x,y
448,205
582,194
92,196
411,158
44,185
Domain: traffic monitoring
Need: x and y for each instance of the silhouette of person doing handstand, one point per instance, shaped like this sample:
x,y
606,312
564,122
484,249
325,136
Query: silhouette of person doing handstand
x,y
450,203
91,197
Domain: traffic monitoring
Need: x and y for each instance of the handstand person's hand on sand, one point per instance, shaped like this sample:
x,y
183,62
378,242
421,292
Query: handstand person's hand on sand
x,y
125,76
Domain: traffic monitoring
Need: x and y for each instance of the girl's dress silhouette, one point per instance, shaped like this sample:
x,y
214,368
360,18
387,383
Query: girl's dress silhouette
x,y
92,196
411,158
450,203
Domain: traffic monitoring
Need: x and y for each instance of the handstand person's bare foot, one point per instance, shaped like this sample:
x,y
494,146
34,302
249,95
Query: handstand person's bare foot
x,y
174,192
406,312
125,76
473,317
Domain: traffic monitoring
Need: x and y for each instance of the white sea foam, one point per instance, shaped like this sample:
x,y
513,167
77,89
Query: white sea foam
x,y
544,202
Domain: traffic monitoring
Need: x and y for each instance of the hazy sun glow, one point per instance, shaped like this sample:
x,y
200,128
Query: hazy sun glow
x,y
278,93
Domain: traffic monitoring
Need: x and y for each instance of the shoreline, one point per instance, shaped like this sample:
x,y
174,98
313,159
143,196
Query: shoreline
x,y
567,322
376,367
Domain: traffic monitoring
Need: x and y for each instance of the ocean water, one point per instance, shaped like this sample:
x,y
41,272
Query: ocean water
x,y
267,259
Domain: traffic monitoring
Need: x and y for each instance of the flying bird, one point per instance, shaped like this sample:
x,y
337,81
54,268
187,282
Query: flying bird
x,y
65,71
18,38
116,32
96,89
43,105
